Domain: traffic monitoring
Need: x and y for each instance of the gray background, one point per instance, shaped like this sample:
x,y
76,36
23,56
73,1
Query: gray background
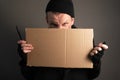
x,y
102,15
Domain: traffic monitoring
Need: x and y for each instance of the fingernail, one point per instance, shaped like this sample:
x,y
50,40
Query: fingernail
x,y
91,54
100,49
96,52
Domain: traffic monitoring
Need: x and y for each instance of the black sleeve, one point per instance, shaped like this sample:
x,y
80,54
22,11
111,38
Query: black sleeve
x,y
95,71
96,59
22,55
27,72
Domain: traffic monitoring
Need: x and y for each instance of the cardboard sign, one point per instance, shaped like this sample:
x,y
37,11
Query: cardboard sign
x,y
66,48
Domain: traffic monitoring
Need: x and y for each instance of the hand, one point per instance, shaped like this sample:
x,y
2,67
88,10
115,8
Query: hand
x,y
26,48
98,48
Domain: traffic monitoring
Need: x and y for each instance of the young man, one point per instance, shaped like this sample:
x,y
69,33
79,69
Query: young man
x,y
60,14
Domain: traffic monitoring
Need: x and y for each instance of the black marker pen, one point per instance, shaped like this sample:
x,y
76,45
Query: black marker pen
x,y
19,33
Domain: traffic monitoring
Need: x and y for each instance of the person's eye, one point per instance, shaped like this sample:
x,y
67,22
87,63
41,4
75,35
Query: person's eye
x,y
65,24
52,25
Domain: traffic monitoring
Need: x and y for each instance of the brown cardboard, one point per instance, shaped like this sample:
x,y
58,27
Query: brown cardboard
x,y
67,48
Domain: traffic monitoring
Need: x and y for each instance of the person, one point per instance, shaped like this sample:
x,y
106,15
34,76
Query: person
x,y
60,14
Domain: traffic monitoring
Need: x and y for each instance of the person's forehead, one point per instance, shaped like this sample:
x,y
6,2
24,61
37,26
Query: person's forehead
x,y
56,15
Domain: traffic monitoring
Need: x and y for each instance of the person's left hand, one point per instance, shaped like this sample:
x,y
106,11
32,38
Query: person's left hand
x,y
98,48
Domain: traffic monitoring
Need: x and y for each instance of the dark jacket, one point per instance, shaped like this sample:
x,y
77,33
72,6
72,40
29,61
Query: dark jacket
x,y
48,73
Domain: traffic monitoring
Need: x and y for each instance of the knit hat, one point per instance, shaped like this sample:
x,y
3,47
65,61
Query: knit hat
x,y
62,6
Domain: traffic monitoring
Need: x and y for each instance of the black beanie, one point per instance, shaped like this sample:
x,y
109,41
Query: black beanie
x,y
62,6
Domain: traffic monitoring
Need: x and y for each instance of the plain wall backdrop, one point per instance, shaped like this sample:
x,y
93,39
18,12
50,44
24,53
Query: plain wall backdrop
x,y
102,15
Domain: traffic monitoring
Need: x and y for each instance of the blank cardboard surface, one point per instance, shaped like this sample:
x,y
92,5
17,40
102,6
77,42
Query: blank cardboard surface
x,y
67,48
79,43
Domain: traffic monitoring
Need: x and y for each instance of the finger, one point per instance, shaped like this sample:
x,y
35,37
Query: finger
x,y
104,46
27,51
98,48
26,45
21,42
93,52
27,48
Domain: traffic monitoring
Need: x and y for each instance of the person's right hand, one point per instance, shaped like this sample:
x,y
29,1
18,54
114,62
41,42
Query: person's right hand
x,y
26,48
